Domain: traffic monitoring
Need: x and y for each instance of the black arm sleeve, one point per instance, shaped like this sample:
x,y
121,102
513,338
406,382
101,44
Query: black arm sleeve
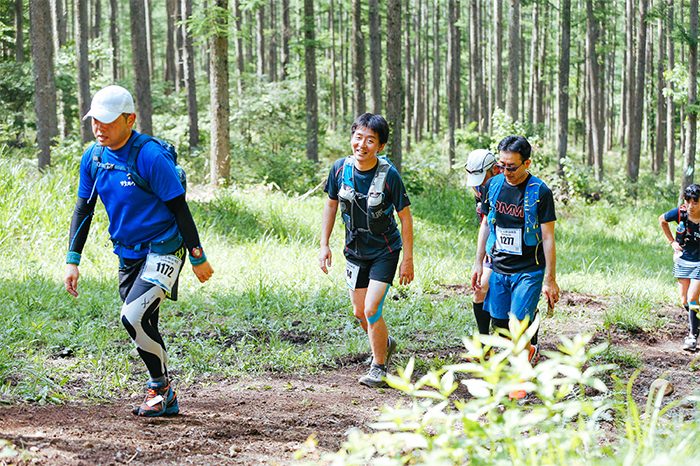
x,y
185,222
80,224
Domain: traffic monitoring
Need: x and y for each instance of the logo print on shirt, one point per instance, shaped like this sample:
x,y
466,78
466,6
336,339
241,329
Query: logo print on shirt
x,y
509,209
126,183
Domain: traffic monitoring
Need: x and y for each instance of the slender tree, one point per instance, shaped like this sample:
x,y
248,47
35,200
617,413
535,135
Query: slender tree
x,y
19,32
436,66
475,67
394,84
238,43
636,117
418,98
114,39
310,72
272,44
498,49
219,110
670,140
692,118
149,36
190,85
261,65
358,59
594,91
375,55
286,36
44,82
334,73
83,66
139,59
563,101
96,19
513,59
452,64
660,123
170,61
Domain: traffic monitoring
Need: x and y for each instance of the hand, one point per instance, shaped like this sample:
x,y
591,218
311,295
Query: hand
x,y
71,279
406,274
551,291
477,271
325,258
203,271
676,247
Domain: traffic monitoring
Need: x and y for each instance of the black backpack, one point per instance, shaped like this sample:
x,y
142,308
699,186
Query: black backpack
x,y
130,167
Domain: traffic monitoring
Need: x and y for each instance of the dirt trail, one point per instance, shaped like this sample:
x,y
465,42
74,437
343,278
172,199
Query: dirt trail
x,y
264,420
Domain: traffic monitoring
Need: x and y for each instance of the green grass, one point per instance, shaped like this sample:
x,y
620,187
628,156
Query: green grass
x,y
268,306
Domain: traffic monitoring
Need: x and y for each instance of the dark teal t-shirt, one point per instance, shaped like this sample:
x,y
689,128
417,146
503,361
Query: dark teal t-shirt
x,y
364,245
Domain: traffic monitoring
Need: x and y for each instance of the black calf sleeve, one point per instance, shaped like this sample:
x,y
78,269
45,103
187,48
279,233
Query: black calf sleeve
x,y
500,323
483,318
693,321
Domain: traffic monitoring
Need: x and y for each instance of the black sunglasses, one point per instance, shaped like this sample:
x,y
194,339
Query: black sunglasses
x,y
507,168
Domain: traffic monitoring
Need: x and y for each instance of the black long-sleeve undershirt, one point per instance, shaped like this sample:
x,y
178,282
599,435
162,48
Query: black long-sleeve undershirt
x,y
83,212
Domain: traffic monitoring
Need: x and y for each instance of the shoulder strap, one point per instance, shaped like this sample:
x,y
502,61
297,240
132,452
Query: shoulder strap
x,y
348,165
380,175
134,151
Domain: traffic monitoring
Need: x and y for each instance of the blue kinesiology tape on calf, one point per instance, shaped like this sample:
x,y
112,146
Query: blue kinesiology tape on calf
x,y
378,315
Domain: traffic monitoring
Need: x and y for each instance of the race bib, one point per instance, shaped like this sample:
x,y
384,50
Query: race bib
x,y
162,270
509,240
351,273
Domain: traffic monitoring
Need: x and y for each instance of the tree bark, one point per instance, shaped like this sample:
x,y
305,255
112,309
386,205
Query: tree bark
x,y
240,65
139,59
310,72
436,67
498,41
179,48
190,85
670,143
394,83
149,36
19,32
83,68
220,161
452,63
660,122
44,81
476,78
594,94
563,101
260,41
692,119
418,100
170,73
635,122
286,35
408,77
333,117
272,47
97,20
114,39
375,54
358,59
513,58
534,40
630,70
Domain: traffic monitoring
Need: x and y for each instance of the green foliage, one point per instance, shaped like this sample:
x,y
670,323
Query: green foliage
x,y
16,90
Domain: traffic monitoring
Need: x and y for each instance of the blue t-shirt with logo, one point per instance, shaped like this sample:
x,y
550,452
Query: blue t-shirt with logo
x,y
364,245
689,239
135,216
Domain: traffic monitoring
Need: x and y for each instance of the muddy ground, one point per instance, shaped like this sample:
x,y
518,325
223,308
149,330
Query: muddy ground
x,y
264,420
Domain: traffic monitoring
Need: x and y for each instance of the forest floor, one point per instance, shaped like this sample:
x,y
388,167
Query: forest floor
x,y
265,419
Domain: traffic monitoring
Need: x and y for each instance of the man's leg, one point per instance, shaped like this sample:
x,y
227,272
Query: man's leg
x,y
377,330
527,288
482,317
357,298
693,308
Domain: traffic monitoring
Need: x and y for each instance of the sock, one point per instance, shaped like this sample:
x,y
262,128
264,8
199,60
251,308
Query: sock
x,y
693,318
381,366
483,318
159,380
534,338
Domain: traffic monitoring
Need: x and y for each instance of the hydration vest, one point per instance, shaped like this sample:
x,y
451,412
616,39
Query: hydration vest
x,y
532,235
682,228
131,168
380,218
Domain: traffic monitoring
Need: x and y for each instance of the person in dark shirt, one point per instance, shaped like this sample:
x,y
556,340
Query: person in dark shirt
x,y
517,232
481,166
368,189
151,228
686,255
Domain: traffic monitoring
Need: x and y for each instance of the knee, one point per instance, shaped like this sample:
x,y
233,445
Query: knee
x,y
480,295
359,313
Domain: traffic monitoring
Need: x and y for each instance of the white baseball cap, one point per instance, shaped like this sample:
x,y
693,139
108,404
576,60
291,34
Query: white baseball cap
x,y
110,102
479,162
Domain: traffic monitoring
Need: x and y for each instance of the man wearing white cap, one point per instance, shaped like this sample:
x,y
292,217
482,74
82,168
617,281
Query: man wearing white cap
x,y
150,226
481,166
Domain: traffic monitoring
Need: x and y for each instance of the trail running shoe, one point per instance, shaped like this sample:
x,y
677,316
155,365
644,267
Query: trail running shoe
x,y
690,343
533,356
161,400
374,378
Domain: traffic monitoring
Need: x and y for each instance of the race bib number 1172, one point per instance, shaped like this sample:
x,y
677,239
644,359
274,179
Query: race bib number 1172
x,y
162,270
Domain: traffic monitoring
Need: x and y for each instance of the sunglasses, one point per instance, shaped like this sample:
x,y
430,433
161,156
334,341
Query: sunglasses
x,y
507,168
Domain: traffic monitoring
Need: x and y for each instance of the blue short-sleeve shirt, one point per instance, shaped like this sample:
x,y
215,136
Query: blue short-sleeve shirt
x,y
135,216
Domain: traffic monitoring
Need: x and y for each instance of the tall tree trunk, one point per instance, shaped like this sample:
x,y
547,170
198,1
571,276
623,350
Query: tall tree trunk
x,y
260,41
635,122
219,109
114,39
61,22
149,36
170,73
358,59
513,58
630,70
498,41
452,63
43,74
139,58
436,67
190,85
476,78
344,41
418,101
594,91
670,142
179,48
408,78
375,54
563,88
660,122
538,101
691,122
310,72
97,20
534,68
394,86
333,117
19,32
240,65
272,48
83,66
286,35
